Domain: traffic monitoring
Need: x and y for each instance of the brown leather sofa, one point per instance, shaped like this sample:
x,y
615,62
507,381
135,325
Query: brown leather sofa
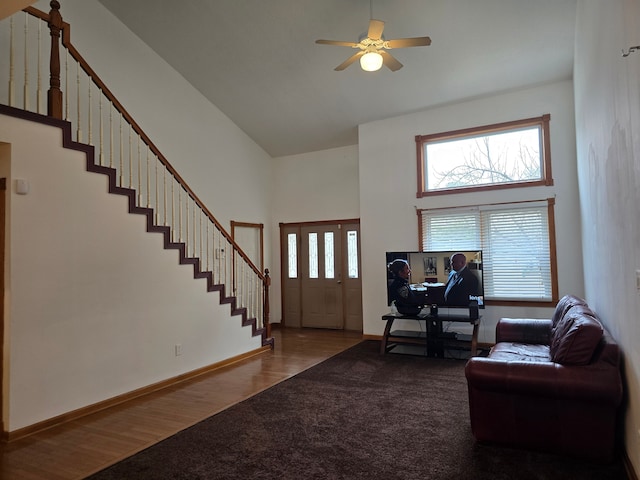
x,y
551,385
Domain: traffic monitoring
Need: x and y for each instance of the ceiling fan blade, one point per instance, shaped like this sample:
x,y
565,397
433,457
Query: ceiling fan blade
x,y
389,61
349,61
375,29
409,42
337,42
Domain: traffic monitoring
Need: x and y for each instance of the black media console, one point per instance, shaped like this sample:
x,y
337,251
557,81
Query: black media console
x,y
432,342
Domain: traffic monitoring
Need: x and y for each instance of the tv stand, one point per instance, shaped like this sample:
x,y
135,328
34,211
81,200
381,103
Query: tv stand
x,y
432,342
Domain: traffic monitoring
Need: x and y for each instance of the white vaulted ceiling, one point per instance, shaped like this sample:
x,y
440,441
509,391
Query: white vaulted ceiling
x,y
258,62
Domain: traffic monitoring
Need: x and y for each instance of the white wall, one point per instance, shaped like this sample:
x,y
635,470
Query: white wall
x,y
311,187
96,328
204,146
369,181
94,304
388,186
607,93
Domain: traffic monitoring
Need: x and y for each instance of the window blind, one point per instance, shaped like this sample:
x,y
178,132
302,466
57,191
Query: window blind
x,y
514,239
451,229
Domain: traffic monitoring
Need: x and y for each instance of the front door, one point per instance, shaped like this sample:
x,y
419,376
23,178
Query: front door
x,y
321,275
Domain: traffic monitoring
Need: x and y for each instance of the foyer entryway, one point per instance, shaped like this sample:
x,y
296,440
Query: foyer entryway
x,y
321,281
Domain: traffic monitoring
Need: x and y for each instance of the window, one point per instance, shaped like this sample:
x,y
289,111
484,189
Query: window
x,y
505,155
352,253
329,256
517,240
292,255
313,255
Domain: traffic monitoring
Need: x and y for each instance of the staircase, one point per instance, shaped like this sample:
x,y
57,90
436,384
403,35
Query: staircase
x,y
92,119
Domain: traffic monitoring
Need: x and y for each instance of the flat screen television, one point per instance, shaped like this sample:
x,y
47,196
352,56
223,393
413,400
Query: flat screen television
x,y
430,273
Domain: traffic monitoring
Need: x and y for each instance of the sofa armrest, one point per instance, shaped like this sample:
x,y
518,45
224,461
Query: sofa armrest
x,y
596,383
523,330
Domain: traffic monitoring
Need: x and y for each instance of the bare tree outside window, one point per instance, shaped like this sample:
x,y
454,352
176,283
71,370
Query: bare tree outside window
x,y
495,156
499,158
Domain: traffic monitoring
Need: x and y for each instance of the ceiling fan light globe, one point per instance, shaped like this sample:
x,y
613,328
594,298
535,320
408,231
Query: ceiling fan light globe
x,y
371,61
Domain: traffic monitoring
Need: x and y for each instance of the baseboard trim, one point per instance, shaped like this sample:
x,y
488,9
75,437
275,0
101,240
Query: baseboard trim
x,y
125,397
371,337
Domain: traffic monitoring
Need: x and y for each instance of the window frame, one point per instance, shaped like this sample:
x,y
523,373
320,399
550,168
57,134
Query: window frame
x,y
546,176
553,264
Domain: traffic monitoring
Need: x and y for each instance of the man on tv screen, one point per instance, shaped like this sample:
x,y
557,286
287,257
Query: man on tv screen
x,y
461,283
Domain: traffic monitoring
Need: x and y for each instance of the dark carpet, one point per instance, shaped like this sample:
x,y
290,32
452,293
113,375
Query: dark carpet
x,y
358,415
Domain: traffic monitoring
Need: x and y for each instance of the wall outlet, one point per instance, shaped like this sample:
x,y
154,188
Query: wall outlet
x,y
178,349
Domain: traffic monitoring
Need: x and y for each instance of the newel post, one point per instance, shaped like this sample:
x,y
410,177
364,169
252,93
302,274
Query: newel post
x,y
54,95
267,282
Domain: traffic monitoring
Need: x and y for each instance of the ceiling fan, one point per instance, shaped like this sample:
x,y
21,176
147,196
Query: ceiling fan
x,y
373,48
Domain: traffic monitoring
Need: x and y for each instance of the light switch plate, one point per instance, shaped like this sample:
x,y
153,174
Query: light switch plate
x,y
22,187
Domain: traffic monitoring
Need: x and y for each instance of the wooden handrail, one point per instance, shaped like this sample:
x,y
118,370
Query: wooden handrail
x,y
57,26
60,31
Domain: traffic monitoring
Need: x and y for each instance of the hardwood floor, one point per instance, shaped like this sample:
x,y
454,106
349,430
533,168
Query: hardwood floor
x,y
87,445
